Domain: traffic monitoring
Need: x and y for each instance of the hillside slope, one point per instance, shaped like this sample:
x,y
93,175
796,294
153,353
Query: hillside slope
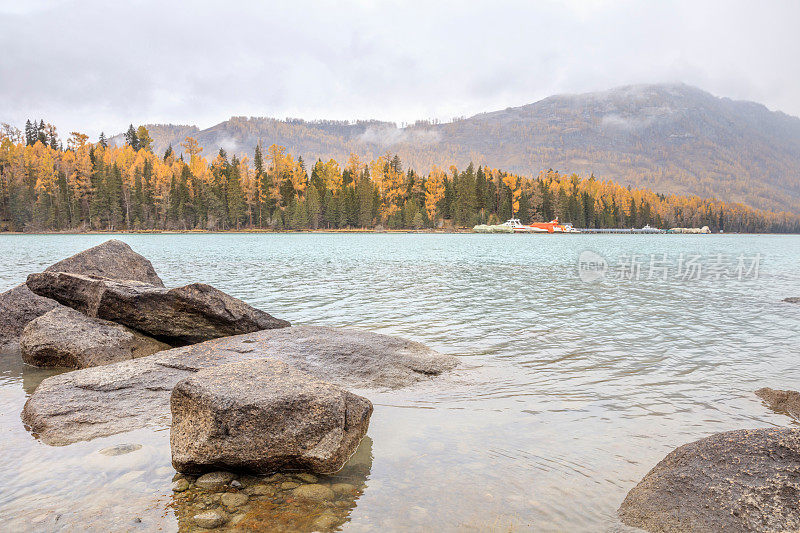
x,y
671,138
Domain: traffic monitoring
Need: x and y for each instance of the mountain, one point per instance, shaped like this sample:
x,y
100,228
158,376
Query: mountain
x,y
671,138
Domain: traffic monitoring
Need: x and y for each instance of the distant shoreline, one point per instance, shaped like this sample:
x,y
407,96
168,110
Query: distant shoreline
x,y
328,231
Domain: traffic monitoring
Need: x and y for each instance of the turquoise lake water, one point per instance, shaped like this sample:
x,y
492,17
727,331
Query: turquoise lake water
x,y
568,391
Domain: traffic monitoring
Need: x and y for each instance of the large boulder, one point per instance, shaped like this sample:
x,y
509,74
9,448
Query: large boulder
x,y
184,315
119,397
18,306
263,416
113,259
745,480
65,337
782,401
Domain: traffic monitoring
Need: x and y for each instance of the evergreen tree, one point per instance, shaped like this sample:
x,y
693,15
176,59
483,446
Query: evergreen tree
x,y
350,212
365,202
236,206
314,207
31,133
131,138
41,133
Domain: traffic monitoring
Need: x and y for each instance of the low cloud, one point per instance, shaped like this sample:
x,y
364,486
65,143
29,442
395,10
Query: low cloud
x,y
623,123
231,145
389,136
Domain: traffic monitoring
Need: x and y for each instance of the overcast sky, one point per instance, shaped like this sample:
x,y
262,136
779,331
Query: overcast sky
x,y
98,65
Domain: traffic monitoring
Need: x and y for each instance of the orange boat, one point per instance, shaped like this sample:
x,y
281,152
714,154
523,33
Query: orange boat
x,y
550,227
539,227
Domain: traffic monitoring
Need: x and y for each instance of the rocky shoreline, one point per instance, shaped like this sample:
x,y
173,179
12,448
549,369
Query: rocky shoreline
x,y
241,390
127,395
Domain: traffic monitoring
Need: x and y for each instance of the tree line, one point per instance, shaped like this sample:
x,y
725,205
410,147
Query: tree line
x,y
47,186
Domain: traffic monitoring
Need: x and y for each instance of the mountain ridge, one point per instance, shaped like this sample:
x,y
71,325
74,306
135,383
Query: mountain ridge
x,y
672,138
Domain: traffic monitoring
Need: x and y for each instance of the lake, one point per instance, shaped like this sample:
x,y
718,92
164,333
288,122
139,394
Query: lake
x,y
568,392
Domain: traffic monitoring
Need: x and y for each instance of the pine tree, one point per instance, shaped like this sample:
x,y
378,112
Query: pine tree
x,y
235,195
258,169
131,139
41,133
365,202
31,133
314,207
465,198
350,211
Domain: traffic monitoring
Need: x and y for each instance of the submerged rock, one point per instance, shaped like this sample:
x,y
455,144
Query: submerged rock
x,y
180,316
343,488
745,480
113,259
782,401
65,337
269,507
314,492
180,485
119,397
350,358
233,499
214,480
120,449
210,519
264,416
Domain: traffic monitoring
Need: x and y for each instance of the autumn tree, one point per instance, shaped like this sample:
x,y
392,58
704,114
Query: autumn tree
x,y
143,138
434,193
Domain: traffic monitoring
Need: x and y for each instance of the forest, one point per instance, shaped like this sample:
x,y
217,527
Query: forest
x,y
46,185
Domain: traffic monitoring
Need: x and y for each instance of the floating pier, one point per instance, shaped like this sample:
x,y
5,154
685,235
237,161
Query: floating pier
x,y
646,229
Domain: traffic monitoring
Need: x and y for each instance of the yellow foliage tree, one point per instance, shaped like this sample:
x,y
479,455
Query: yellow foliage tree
x,y
434,192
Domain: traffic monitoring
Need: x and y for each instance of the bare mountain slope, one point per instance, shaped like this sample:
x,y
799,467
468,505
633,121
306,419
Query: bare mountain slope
x,y
672,138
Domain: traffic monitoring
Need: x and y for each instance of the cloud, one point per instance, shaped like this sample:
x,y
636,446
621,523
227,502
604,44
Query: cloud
x,y
231,145
623,123
92,65
390,136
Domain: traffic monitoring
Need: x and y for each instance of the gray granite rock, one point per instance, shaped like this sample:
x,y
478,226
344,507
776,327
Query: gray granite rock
x,y
18,306
119,397
745,480
184,315
264,416
113,259
68,338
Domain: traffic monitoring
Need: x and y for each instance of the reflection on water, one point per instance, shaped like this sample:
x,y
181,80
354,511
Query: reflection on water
x,y
569,392
13,370
281,502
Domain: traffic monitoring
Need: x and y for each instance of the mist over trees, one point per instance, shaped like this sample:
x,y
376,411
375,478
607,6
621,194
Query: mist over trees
x,y
46,185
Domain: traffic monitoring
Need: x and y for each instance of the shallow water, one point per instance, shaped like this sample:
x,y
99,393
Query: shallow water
x,y
568,392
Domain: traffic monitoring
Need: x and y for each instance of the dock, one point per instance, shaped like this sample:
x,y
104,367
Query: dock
x,y
646,229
